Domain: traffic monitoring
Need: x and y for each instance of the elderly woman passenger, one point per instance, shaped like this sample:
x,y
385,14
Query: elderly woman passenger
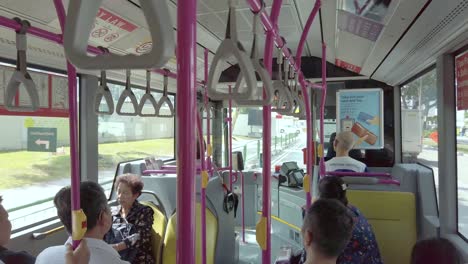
x,y
135,248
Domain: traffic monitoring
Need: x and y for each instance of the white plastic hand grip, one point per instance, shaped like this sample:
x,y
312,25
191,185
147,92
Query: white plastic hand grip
x,y
148,97
257,98
165,100
12,89
231,47
127,93
103,92
80,19
284,101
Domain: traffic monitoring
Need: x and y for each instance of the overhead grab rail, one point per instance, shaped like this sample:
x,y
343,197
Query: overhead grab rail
x,y
80,20
21,75
231,47
103,92
165,99
259,67
148,97
127,93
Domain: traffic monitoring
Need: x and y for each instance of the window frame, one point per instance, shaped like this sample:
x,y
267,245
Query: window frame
x,y
136,86
48,112
461,51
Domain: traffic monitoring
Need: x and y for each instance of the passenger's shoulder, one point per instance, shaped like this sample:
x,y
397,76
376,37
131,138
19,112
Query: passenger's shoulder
x,y
51,255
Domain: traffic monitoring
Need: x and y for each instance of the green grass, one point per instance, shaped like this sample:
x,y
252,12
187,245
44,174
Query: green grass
x,y
23,168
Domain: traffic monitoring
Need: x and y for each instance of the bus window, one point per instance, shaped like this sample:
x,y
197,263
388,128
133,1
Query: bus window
x,y
123,138
461,82
419,121
288,137
34,150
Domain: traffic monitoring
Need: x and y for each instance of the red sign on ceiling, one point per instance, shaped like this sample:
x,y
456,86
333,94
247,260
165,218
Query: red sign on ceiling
x,y
347,66
461,72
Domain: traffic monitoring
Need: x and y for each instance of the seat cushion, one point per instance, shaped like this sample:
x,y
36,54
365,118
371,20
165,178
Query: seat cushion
x,y
393,219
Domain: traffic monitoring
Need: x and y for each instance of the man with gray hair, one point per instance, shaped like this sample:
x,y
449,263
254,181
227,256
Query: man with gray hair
x,y
343,143
99,221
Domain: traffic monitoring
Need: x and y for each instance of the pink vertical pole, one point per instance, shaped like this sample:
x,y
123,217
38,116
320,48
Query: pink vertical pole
x,y
208,110
186,109
322,105
73,122
266,207
230,140
309,143
203,190
243,207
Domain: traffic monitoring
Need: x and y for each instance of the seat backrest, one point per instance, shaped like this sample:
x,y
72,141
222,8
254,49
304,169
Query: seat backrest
x,y
169,250
158,231
393,219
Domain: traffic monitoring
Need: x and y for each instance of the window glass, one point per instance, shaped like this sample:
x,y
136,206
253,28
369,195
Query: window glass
x,y
288,137
124,138
461,82
419,121
34,149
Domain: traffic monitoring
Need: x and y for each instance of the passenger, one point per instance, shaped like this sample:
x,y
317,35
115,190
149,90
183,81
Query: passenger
x,y
99,221
8,256
354,153
435,251
78,256
363,247
326,231
132,222
343,144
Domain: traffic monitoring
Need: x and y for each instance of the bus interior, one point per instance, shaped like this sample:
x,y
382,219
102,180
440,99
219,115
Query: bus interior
x,y
98,91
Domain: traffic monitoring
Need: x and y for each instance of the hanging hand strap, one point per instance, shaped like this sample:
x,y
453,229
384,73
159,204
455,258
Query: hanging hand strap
x,y
257,99
231,47
165,100
148,97
103,92
21,75
80,20
127,93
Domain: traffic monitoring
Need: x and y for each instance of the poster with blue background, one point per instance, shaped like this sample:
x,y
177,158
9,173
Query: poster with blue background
x,y
361,112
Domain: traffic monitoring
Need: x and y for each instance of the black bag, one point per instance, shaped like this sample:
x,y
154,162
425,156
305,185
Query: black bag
x,y
119,232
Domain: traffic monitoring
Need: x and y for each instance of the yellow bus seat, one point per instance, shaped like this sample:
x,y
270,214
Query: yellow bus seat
x,y
169,251
159,228
393,219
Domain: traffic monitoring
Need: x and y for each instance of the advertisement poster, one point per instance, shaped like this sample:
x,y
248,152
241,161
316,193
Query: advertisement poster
x,y
361,112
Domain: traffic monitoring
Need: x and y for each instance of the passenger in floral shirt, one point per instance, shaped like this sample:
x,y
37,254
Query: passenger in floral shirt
x,y
362,248
132,222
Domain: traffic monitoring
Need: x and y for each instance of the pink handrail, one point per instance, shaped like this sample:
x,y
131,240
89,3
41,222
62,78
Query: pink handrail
x,y
73,121
360,174
392,181
322,106
243,207
271,27
256,6
186,109
309,143
208,109
230,139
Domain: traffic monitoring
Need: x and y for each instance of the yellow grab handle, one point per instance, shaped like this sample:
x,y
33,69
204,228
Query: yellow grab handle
x,y
320,150
204,178
306,183
79,226
261,233
209,150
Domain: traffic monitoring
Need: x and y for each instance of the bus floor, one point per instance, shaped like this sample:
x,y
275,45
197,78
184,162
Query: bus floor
x,y
250,252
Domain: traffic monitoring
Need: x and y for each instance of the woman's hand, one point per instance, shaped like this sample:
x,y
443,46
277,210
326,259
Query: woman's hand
x,y
80,255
